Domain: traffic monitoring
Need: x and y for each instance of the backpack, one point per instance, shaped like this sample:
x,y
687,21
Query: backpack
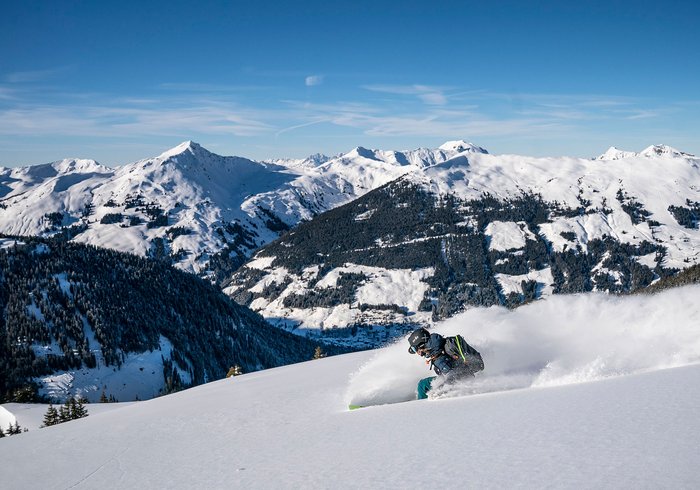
x,y
458,349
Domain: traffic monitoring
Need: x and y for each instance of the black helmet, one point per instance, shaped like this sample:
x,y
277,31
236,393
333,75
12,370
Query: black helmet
x,y
418,338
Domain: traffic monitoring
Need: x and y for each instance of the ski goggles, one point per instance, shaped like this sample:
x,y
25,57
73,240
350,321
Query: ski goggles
x,y
416,350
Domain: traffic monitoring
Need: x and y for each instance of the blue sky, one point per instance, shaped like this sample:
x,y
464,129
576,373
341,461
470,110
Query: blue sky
x,y
119,81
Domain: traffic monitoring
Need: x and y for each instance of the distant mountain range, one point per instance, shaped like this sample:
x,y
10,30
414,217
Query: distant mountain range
x,y
205,213
367,244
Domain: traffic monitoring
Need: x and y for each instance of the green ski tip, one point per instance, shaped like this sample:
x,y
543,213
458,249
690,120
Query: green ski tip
x,y
355,407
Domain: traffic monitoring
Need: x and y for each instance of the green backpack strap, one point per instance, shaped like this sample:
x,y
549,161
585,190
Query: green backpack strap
x,y
459,346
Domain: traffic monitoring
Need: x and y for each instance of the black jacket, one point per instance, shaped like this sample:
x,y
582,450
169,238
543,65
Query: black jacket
x,y
435,351
444,364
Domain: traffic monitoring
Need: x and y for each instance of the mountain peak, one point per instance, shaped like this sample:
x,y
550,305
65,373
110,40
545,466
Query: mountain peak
x,y
78,165
614,153
662,150
184,147
461,146
652,151
362,152
317,158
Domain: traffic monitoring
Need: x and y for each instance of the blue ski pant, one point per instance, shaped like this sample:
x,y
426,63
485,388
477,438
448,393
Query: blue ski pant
x,y
424,387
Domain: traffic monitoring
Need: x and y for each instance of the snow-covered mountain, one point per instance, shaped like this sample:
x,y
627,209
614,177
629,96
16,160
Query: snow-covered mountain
x,y
311,161
185,203
205,212
586,391
614,153
479,229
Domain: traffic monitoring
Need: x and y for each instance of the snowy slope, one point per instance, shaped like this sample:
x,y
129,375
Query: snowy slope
x,y
31,415
656,178
586,405
28,194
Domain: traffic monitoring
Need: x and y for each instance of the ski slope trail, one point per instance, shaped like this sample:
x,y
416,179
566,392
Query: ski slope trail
x,y
567,423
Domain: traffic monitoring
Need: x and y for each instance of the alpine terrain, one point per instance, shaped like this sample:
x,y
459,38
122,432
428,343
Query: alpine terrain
x,y
478,229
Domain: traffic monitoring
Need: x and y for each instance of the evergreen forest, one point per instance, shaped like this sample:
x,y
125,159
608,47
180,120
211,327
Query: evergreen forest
x,y
57,295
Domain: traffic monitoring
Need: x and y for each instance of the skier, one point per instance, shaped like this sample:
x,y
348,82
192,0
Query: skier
x,y
450,357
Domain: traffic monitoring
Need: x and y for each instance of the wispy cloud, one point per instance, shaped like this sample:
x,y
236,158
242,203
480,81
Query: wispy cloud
x,y
211,88
427,94
313,80
130,121
303,125
34,75
6,93
412,111
643,114
433,125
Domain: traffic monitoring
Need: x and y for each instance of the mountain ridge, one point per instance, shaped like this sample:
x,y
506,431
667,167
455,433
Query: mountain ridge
x,y
222,208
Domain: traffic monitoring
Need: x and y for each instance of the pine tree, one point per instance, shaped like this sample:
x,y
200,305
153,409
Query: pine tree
x,y
64,413
2,433
318,353
13,429
78,410
51,417
103,397
234,371
72,408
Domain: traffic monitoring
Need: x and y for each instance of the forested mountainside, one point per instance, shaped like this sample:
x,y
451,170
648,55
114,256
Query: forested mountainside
x,y
70,307
691,275
478,231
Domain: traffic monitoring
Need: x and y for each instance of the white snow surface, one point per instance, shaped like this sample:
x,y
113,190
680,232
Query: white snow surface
x,y
543,278
507,235
140,376
31,415
578,392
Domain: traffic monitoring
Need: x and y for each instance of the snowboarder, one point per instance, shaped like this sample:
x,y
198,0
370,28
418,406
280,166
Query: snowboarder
x,y
450,357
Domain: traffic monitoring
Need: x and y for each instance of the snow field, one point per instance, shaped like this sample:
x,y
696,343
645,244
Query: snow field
x,y
507,235
31,415
512,284
140,376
